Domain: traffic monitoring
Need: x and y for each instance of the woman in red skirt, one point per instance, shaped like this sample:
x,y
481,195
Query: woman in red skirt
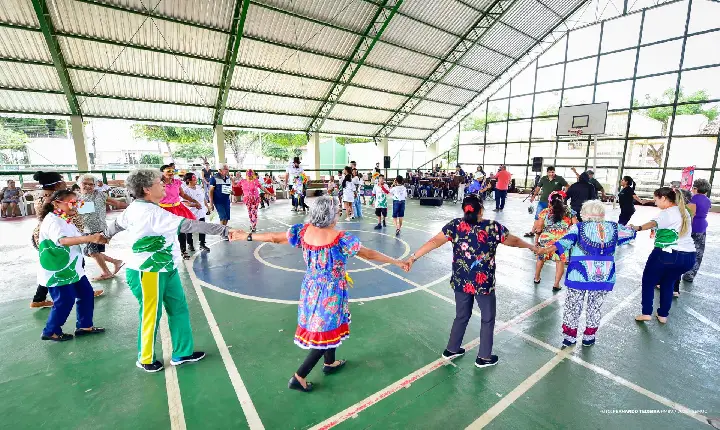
x,y
171,203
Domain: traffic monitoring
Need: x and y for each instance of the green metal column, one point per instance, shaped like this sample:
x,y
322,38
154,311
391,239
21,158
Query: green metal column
x,y
238,24
374,30
43,16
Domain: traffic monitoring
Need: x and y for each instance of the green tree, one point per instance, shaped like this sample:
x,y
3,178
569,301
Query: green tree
x,y
282,146
241,143
15,145
342,140
195,149
663,113
199,137
151,159
474,123
36,127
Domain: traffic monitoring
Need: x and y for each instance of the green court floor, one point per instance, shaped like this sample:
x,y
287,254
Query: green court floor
x,y
637,376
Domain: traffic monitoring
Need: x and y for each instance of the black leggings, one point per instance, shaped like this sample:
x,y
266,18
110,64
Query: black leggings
x,y
625,217
182,238
189,238
312,359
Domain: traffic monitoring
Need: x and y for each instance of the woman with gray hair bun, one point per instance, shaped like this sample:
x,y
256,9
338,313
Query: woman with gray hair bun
x,y
591,270
323,313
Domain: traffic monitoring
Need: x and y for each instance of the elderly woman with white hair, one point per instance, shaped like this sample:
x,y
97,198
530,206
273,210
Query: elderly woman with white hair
x,y
323,313
591,270
92,212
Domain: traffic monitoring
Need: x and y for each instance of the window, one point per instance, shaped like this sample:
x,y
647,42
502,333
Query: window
x,y
692,151
617,94
697,118
555,54
650,122
619,65
646,152
665,22
550,78
705,80
524,82
580,72
547,103
494,154
496,131
621,33
663,57
584,42
654,90
544,128
518,131
502,92
517,153
702,49
542,149
498,109
471,154
578,96
704,16
521,107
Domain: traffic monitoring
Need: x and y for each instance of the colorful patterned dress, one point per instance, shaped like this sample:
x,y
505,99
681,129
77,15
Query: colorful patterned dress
x,y
323,313
552,231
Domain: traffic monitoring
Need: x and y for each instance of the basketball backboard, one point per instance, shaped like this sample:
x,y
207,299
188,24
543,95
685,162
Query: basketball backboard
x,y
590,118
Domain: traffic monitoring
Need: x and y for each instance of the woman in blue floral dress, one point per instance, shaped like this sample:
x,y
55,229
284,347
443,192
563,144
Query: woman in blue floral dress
x,y
323,313
475,241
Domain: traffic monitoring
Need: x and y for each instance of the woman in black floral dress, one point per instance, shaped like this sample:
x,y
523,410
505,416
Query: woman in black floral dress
x,y
475,241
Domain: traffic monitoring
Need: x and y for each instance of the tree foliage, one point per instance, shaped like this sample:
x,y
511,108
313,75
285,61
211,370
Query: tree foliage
x,y
663,113
241,143
282,146
198,139
151,159
15,145
350,140
475,123
192,150
36,127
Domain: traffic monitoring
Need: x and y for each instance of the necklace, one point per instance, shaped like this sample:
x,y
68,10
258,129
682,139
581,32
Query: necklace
x,y
62,215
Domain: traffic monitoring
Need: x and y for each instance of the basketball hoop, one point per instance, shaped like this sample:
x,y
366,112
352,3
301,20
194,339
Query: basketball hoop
x,y
574,135
577,132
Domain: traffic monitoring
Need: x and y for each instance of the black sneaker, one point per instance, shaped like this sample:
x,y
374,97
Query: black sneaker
x,y
378,227
481,362
204,248
447,355
384,223
569,342
153,367
185,256
588,342
196,356
191,248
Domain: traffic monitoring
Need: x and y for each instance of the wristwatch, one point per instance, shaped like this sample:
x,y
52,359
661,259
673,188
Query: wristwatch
x,y
249,238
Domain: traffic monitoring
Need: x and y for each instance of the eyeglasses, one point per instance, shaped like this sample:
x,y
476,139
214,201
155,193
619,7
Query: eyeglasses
x,y
169,171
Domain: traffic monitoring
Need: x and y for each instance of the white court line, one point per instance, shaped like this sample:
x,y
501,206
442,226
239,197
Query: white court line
x,y
712,298
699,316
528,383
175,407
241,391
354,410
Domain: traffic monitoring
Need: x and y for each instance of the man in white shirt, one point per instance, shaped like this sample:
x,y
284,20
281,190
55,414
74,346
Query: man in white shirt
x,y
293,172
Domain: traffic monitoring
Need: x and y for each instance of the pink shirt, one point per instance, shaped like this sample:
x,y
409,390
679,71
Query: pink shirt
x,y
172,192
503,180
250,188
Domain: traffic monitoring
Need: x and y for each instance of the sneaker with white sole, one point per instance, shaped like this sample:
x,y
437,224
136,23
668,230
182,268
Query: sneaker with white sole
x,y
447,355
196,356
153,367
481,362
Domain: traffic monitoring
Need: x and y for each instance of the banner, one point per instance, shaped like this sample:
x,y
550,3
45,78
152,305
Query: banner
x,y
687,178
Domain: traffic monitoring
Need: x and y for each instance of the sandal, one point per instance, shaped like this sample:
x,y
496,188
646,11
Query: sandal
x,y
537,281
103,277
62,337
294,384
98,293
328,370
92,330
555,289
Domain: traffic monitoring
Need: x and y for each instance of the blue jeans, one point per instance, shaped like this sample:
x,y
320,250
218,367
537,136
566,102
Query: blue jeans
x,y
80,295
357,208
500,196
663,268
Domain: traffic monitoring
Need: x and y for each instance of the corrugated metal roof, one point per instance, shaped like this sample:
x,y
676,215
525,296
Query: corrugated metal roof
x,y
450,14
18,75
211,13
104,107
428,107
406,32
464,77
23,44
141,88
74,17
451,94
383,80
278,83
25,101
422,121
481,58
351,14
506,40
105,56
240,100
270,25
354,113
401,60
18,12
533,21
263,120
255,53
410,133
349,128
367,97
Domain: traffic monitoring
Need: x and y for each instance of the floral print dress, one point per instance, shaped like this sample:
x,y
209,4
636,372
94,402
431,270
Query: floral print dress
x,y
552,231
474,248
323,313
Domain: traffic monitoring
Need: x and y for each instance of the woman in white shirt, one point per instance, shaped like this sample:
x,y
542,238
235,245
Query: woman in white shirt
x,y
197,192
673,255
357,203
349,190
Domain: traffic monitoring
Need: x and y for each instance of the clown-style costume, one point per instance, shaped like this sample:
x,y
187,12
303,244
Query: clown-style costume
x,y
251,191
323,313
61,270
554,230
153,277
591,247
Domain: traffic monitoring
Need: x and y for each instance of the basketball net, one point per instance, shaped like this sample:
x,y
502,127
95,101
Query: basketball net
x,y
574,135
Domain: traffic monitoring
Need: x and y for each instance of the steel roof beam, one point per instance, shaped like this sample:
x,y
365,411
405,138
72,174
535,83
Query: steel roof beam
x,y
43,16
470,39
551,10
238,24
374,30
435,136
